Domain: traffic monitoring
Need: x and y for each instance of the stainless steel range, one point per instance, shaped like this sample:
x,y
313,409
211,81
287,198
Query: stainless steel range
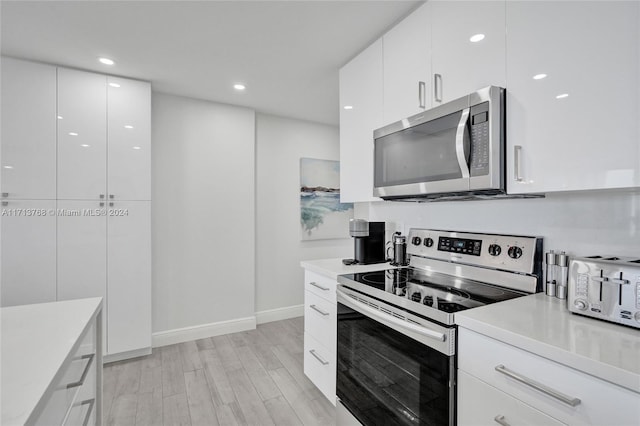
x,y
396,327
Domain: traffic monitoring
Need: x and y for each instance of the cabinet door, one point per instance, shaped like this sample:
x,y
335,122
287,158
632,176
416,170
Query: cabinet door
x,y
460,65
129,139
28,252
360,114
129,276
82,135
28,130
576,128
407,66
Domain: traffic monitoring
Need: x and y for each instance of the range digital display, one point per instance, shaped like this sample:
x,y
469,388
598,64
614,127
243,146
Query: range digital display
x,y
460,245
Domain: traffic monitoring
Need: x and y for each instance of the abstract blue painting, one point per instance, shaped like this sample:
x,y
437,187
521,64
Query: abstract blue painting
x,y
322,215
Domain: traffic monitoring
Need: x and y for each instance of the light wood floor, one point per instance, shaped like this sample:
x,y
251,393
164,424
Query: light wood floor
x,y
249,378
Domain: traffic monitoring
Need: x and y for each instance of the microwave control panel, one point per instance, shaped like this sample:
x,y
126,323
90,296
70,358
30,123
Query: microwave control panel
x,y
480,139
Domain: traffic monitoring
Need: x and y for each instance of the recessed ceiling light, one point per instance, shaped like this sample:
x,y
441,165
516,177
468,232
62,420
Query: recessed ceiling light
x,y
562,96
239,86
8,167
84,145
136,147
476,38
348,107
114,85
59,117
106,61
73,134
128,126
539,76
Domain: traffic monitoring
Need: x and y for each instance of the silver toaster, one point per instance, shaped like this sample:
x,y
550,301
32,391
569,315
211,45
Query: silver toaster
x,y
607,288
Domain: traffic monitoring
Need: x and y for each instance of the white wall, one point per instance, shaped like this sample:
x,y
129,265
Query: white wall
x,y
586,223
203,217
281,142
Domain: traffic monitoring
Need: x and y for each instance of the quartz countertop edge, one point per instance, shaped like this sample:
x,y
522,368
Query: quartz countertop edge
x,y
36,340
334,267
544,326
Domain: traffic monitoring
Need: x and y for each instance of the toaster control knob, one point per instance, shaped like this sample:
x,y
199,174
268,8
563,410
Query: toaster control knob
x,y
514,252
580,305
416,241
428,242
495,250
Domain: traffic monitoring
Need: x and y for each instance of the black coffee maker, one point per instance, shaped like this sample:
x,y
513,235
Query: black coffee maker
x,y
368,242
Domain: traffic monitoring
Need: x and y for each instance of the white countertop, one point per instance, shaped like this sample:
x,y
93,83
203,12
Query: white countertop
x,y
334,267
35,341
542,325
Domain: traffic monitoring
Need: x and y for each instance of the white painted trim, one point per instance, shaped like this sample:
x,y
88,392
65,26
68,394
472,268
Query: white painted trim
x,y
126,355
179,335
279,314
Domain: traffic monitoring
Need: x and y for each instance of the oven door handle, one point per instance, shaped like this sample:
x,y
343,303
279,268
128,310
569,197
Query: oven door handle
x,y
374,313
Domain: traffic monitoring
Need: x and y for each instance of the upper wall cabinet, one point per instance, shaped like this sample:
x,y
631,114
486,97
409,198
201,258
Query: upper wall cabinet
x,y
360,113
572,96
468,47
129,139
28,130
407,67
82,135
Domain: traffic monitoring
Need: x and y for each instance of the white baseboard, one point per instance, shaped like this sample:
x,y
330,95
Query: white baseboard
x,y
279,314
179,335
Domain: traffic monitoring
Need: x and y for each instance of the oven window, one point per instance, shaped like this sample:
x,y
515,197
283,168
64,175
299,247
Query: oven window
x,y
387,378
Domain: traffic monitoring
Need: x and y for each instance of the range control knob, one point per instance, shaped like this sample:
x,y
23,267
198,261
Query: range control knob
x,y
416,241
428,242
495,250
580,305
514,252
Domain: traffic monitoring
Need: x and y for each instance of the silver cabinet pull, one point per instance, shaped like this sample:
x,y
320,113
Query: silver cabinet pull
x,y
80,382
320,311
572,402
422,94
5,194
437,88
313,283
500,420
318,357
517,163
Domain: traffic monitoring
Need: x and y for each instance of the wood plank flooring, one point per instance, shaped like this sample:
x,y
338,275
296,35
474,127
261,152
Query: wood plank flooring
x,y
250,378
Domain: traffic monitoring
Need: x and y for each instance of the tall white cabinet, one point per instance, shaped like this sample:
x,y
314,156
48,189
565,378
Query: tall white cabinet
x,y
91,236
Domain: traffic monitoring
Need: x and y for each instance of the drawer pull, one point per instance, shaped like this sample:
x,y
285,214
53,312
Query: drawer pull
x,y
320,311
318,357
315,284
500,420
84,373
538,386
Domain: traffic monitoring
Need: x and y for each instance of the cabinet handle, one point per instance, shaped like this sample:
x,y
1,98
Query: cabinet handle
x,y
517,160
500,420
5,194
320,311
572,402
437,88
422,95
318,357
80,382
313,283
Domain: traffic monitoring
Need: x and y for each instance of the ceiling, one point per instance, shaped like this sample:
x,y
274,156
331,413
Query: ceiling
x,y
287,53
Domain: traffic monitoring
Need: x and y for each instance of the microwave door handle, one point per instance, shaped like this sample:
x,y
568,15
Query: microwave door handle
x,y
462,143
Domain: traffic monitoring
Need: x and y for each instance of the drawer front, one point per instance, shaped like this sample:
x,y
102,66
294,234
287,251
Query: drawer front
x,y
320,367
482,404
321,285
320,320
600,402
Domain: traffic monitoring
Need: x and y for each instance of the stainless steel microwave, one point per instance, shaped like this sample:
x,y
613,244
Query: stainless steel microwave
x,y
453,150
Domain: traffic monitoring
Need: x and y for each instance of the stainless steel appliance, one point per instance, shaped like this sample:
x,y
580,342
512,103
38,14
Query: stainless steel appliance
x,y
607,288
455,149
368,242
396,361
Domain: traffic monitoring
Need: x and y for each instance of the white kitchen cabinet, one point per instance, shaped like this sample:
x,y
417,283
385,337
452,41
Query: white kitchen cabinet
x,y
28,252
361,103
407,66
461,66
28,130
576,128
129,139
129,276
82,135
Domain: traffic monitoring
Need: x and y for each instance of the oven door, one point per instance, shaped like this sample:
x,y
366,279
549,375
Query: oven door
x,y
389,371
